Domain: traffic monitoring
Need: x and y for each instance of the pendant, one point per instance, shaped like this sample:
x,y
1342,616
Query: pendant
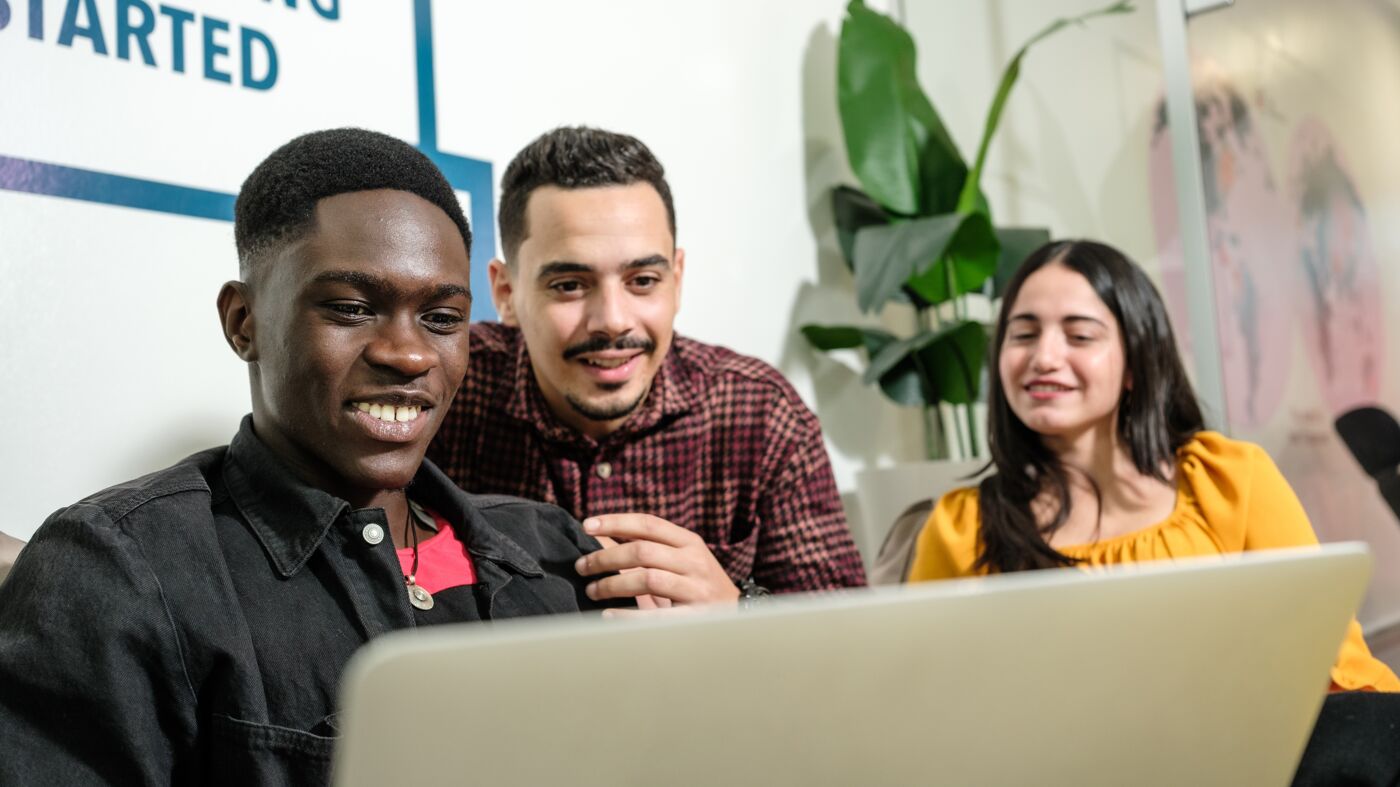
x,y
419,597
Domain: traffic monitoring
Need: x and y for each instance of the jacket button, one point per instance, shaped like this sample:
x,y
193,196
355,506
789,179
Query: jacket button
x,y
372,533
603,469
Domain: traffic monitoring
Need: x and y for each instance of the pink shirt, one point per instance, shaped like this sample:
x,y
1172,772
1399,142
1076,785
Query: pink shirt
x,y
443,561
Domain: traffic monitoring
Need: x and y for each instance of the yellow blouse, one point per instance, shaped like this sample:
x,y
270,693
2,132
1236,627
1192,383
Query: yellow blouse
x,y
1230,498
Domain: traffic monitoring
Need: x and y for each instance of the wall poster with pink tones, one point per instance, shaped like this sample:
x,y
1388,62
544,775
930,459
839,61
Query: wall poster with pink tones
x,y
1302,192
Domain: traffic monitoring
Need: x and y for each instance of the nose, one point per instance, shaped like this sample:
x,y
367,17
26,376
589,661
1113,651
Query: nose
x,y
608,311
1049,352
401,346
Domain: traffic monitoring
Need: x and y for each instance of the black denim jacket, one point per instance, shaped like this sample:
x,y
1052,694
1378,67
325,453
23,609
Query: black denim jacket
x,y
191,626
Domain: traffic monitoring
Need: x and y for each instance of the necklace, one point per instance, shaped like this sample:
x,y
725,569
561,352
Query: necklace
x,y
417,596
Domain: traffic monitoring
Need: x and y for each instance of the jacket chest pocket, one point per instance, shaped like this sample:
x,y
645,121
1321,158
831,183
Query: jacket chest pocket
x,y
243,752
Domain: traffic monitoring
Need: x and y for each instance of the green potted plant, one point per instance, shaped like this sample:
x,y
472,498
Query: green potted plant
x,y
919,229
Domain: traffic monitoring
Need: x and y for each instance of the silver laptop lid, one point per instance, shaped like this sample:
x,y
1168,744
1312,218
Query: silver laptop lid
x,y
1209,671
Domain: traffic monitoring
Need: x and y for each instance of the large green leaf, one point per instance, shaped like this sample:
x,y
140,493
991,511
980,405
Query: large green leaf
x,y
904,385
896,143
893,353
967,201
847,337
901,385
1017,243
888,256
854,210
833,337
969,259
953,364
933,366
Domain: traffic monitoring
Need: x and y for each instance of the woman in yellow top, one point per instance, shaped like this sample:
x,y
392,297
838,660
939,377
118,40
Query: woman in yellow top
x,y
1099,446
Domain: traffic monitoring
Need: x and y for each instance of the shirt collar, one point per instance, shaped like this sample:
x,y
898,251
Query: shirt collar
x,y
290,518
674,391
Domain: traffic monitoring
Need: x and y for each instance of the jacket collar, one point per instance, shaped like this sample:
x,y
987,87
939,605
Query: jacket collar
x,y
291,518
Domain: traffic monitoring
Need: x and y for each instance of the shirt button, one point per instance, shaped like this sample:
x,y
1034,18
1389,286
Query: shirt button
x,y
372,533
603,469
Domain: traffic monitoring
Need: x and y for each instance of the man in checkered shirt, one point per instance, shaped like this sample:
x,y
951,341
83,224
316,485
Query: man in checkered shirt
x,y
697,457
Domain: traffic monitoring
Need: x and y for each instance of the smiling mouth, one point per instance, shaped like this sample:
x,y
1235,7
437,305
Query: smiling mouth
x,y
1047,388
607,363
388,412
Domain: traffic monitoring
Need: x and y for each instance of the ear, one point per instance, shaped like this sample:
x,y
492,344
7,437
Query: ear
x,y
678,270
236,315
502,288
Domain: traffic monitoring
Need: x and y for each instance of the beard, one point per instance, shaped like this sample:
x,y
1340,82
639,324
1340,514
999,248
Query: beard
x,y
614,410
605,412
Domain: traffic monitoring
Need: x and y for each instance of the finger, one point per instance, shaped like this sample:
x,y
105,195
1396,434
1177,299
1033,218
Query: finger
x,y
648,601
634,554
662,584
644,526
642,614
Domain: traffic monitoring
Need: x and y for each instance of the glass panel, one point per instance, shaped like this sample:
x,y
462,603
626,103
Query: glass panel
x,y
1302,178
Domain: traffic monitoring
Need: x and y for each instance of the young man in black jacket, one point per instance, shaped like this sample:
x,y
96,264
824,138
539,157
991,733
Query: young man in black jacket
x,y
191,626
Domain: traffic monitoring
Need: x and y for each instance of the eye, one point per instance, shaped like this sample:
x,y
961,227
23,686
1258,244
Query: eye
x,y
444,321
566,287
645,281
349,311
1021,336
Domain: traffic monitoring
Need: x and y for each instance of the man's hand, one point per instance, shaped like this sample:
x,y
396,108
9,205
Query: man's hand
x,y
659,559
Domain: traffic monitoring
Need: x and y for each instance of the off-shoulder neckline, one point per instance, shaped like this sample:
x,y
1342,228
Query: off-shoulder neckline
x,y
1181,508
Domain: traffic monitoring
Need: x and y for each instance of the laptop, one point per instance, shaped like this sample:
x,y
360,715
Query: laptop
x,y
1201,672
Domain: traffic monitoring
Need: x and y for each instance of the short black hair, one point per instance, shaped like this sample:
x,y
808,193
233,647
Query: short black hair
x,y
575,157
277,203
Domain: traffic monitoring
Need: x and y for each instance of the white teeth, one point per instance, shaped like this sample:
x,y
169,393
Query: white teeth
x,y
1048,388
388,412
607,363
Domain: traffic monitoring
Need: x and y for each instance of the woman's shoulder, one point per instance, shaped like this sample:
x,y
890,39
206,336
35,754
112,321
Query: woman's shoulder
x,y
947,546
1232,482
1215,447
959,507
1211,459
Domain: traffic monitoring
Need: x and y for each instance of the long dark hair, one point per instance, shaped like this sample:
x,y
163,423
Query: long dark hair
x,y
1155,418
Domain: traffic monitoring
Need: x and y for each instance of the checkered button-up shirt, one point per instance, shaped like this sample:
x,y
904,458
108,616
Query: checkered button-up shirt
x,y
722,446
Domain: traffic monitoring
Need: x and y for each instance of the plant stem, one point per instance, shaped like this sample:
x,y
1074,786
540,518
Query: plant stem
x,y
962,441
935,438
972,430
935,442
952,286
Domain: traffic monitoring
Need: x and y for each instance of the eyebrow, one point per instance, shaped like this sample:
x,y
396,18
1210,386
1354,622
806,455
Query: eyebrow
x,y
1028,317
382,286
565,266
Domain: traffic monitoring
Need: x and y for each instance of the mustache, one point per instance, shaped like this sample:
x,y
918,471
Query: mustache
x,y
595,344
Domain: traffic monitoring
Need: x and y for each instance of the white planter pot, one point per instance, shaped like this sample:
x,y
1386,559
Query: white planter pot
x,y
883,493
